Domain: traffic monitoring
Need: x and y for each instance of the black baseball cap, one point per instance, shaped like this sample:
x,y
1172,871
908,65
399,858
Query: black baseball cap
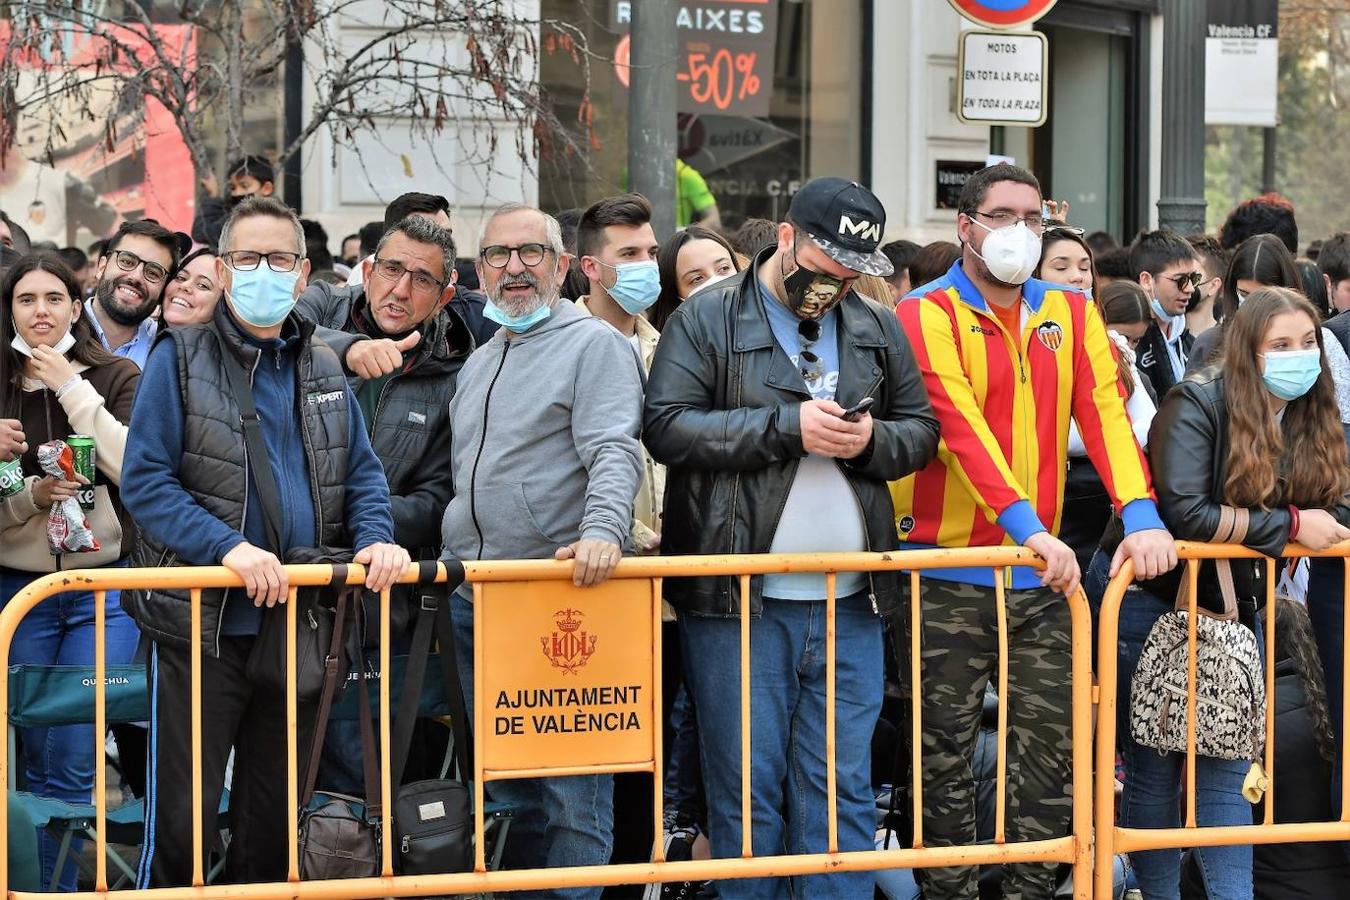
x,y
845,220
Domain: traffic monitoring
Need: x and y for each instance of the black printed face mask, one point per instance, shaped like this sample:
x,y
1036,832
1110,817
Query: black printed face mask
x,y
812,294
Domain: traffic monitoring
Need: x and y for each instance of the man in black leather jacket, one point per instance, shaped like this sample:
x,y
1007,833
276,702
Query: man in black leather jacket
x,y
745,404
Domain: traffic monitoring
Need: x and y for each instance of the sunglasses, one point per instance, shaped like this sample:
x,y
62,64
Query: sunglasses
x,y
1185,280
810,365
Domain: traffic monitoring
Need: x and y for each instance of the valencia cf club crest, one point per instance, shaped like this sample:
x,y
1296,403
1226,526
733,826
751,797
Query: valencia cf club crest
x,y
568,648
1050,334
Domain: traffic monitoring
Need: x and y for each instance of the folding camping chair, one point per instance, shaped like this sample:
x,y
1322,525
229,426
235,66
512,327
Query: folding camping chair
x,y
43,696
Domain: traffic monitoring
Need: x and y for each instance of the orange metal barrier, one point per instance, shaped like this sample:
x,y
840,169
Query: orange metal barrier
x,y
1112,839
1074,848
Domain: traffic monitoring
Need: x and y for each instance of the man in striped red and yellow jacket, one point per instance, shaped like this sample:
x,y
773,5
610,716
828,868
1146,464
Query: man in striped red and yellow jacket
x,y
1007,361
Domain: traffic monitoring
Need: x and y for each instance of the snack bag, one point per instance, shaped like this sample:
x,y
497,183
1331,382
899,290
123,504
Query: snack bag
x,y
67,528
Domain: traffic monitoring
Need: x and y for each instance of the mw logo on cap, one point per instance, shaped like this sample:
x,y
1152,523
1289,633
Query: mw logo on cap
x,y
861,228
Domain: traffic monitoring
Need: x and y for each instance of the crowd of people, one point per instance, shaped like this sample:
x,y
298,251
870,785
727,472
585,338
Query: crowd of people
x,y
583,390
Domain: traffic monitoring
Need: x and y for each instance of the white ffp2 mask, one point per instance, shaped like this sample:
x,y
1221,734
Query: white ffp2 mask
x,y
1011,252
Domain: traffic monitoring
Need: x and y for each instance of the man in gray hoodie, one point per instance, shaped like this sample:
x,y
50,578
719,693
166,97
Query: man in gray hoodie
x,y
547,463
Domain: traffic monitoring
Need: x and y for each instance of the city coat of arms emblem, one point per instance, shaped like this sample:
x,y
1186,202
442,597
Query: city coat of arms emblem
x,y
568,648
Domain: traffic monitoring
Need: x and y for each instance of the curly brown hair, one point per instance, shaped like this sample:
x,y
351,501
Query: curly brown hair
x,y
1261,448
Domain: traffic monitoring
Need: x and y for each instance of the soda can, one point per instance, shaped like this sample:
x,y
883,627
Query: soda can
x,y
11,477
84,458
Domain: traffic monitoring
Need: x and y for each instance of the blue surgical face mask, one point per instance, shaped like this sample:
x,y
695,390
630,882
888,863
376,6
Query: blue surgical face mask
x,y
637,286
515,324
1175,324
261,297
1087,292
1290,374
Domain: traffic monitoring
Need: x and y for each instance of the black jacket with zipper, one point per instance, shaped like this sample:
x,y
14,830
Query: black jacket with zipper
x,y
1153,360
722,412
411,428
1188,453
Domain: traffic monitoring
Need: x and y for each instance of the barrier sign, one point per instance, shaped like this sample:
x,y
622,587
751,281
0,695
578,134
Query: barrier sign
x,y
726,48
566,676
1002,78
1242,62
1002,13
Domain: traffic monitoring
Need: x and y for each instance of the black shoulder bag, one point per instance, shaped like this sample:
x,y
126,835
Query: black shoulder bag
x,y
433,820
266,665
340,835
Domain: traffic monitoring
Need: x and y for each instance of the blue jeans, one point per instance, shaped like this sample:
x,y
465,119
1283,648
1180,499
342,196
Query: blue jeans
x,y
787,735
59,760
559,821
684,778
1152,796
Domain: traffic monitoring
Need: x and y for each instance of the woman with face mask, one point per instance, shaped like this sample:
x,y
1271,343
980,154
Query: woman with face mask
x,y
1263,261
1254,448
689,261
192,293
57,380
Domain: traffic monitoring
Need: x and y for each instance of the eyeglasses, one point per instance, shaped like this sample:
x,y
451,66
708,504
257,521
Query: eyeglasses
x,y
248,260
128,261
1003,219
393,270
499,256
1182,281
810,365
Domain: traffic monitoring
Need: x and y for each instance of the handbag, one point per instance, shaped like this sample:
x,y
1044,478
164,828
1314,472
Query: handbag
x,y
266,663
339,835
433,818
1230,691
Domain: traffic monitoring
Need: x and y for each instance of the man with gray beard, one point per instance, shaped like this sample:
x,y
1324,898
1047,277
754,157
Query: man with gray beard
x,y
546,460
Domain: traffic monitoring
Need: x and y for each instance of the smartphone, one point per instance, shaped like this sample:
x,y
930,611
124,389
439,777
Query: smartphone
x,y
854,413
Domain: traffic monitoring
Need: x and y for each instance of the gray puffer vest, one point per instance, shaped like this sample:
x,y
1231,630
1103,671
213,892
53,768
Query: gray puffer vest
x,y
213,468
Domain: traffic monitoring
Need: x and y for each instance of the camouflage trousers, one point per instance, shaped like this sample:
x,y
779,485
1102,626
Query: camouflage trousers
x,y
959,657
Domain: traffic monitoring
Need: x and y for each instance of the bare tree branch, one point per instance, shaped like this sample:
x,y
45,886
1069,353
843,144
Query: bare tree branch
x,y
75,69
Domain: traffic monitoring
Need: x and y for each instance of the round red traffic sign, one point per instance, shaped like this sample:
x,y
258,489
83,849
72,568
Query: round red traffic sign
x,y
1002,13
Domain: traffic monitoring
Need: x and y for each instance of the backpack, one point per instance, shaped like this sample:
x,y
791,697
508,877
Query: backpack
x,y
1230,704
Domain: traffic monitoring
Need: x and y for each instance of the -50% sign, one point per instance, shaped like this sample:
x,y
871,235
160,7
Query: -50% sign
x,y
720,79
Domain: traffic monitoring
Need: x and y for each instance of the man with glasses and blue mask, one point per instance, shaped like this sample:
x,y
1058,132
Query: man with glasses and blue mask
x,y
782,402
546,462
1165,265
131,275
1007,360
195,495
